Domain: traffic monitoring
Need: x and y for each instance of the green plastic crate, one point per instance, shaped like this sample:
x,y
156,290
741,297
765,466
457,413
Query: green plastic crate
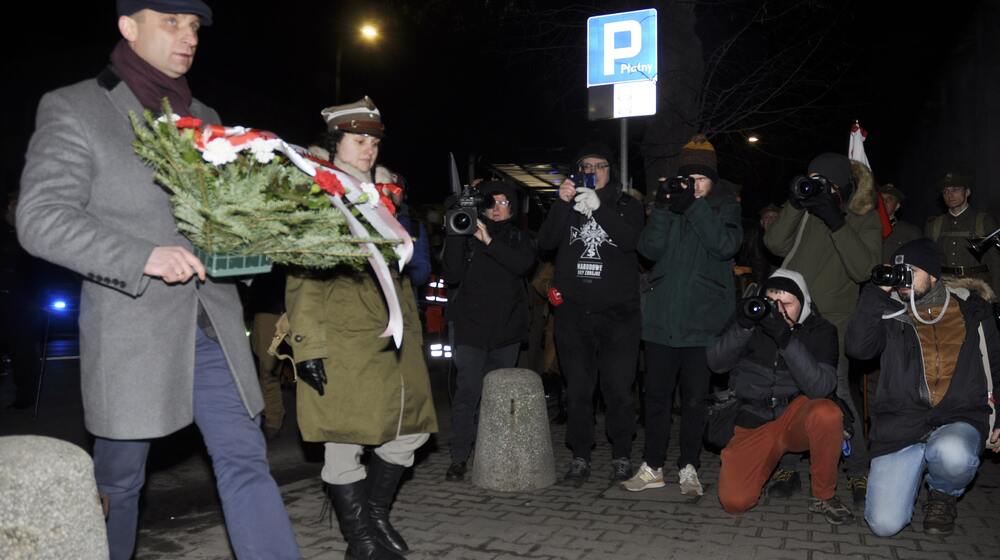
x,y
221,265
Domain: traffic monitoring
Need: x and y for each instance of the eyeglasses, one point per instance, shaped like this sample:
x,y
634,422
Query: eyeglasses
x,y
591,167
952,190
501,203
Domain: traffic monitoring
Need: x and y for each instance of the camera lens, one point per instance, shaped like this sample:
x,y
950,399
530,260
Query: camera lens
x,y
461,222
756,308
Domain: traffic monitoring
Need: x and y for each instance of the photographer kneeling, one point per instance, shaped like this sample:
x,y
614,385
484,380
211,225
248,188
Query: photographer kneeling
x,y
930,413
488,310
782,358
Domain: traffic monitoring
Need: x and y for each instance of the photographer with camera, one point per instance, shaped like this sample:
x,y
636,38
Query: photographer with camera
x,y
488,308
782,358
830,232
692,236
595,291
940,354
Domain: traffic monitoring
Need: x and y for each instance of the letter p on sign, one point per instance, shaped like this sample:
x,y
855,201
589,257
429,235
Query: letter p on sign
x,y
631,48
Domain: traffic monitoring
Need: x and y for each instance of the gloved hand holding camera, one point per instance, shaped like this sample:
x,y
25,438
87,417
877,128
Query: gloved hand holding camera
x,y
313,373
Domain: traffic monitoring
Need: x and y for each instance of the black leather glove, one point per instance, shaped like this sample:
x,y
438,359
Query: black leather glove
x,y
741,318
827,208
680,202
661,200
313,373
774,326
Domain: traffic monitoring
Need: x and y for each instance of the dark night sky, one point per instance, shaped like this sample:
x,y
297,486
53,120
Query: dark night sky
x,y
451,76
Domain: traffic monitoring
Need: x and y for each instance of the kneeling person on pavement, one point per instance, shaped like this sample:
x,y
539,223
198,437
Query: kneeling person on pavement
x,y
781,368
930,415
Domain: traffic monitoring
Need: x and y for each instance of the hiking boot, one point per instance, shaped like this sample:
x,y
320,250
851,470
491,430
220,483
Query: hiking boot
x,y
621,469
456,471
689,483
859,488
835,512
940,512
784,484
578,473
644,479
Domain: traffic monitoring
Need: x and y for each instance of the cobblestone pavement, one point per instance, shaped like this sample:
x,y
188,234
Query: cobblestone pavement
x,y
445,521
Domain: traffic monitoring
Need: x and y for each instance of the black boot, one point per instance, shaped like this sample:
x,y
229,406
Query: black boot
x,y
383,480
350,502
940,512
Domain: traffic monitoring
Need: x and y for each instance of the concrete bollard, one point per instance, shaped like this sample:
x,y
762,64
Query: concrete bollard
x,y
513,444
49,507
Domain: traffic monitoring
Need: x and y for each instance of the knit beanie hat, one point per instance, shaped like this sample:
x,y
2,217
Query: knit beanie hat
x,y
834,167
698,156
794,283
594,149
921,253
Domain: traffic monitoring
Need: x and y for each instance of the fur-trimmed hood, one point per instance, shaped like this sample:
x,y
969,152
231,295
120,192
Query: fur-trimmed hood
x,y
863,198
963,287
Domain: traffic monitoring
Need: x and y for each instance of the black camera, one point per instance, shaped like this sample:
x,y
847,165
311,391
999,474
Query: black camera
x,y
895,275
808,187
584,180
677,185
756,308
462,215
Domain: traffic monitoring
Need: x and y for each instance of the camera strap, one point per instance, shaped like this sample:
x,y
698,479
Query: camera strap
x,y
798,240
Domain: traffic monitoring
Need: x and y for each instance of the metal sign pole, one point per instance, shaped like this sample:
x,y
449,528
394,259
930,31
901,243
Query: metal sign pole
x,y
626,184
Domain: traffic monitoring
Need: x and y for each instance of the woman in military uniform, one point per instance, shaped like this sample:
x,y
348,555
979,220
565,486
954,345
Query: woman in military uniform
x,y
359,389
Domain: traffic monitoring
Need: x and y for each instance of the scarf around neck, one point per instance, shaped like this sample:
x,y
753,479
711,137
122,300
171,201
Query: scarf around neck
x,y
149,84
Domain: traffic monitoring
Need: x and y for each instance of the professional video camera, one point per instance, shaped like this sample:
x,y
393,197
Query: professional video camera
x,y
462,215
756,308
895,275
808,187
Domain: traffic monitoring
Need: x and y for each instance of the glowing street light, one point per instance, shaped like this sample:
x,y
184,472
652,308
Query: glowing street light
x,y
369,32
753,138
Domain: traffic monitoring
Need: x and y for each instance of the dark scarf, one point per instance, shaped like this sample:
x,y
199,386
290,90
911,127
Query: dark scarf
x,y
149,84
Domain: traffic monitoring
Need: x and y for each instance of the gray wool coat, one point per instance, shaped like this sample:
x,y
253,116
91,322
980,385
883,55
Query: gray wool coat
x,y
88,203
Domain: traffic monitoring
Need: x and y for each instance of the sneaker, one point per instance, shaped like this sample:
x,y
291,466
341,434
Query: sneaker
x,y
578,473
690,485
940,512
456,471
859,488
621,469
784,484
835,512
644,479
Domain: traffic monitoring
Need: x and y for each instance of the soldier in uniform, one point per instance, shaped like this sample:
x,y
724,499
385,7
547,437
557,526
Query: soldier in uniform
x,y
901,231
952,230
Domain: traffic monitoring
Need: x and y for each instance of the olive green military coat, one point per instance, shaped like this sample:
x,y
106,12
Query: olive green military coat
x,y
374,392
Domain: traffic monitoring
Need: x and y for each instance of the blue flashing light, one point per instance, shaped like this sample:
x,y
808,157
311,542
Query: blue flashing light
x,y
58,305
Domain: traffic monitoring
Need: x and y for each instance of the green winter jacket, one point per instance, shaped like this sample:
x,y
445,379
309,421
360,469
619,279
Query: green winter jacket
x,y
832,263
691,293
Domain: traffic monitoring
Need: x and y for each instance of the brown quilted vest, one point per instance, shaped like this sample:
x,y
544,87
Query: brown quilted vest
x,y
940,344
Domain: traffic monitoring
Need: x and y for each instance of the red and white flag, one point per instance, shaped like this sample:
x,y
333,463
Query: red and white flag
x,y
856,152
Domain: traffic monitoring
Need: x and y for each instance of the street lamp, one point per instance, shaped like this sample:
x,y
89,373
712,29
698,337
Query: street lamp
x,y
753,138
369,34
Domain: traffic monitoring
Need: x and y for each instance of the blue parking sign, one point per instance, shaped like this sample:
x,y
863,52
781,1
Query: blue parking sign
x,y
621,48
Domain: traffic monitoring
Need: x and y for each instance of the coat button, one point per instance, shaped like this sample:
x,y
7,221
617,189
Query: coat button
x,y
90,275
299,338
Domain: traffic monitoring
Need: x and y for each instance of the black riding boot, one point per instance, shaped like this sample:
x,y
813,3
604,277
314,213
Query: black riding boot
x,y
383,480
350,502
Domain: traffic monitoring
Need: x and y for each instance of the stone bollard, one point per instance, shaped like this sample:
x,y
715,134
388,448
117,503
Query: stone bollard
x,y
49,507
513,444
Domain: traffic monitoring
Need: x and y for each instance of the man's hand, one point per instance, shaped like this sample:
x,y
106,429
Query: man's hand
x,y
175,265
827,208
481,233
680,202
567,190
586,202
994,440
313,373
776,327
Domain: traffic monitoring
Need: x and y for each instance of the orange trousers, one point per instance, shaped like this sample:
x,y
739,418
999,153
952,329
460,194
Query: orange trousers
x,y
814,425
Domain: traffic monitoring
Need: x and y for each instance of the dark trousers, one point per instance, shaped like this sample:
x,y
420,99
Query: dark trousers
x,y
664,366
598,347
473,364
255,515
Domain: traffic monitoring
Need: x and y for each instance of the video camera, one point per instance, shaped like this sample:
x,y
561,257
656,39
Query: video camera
x,y
807,187
894,275
756,308
462,215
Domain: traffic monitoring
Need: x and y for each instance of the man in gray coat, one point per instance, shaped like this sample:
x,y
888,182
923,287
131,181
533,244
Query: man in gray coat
x,y
159,348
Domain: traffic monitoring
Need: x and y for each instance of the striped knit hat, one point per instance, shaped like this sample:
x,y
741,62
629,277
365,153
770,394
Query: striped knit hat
x,y
698,156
